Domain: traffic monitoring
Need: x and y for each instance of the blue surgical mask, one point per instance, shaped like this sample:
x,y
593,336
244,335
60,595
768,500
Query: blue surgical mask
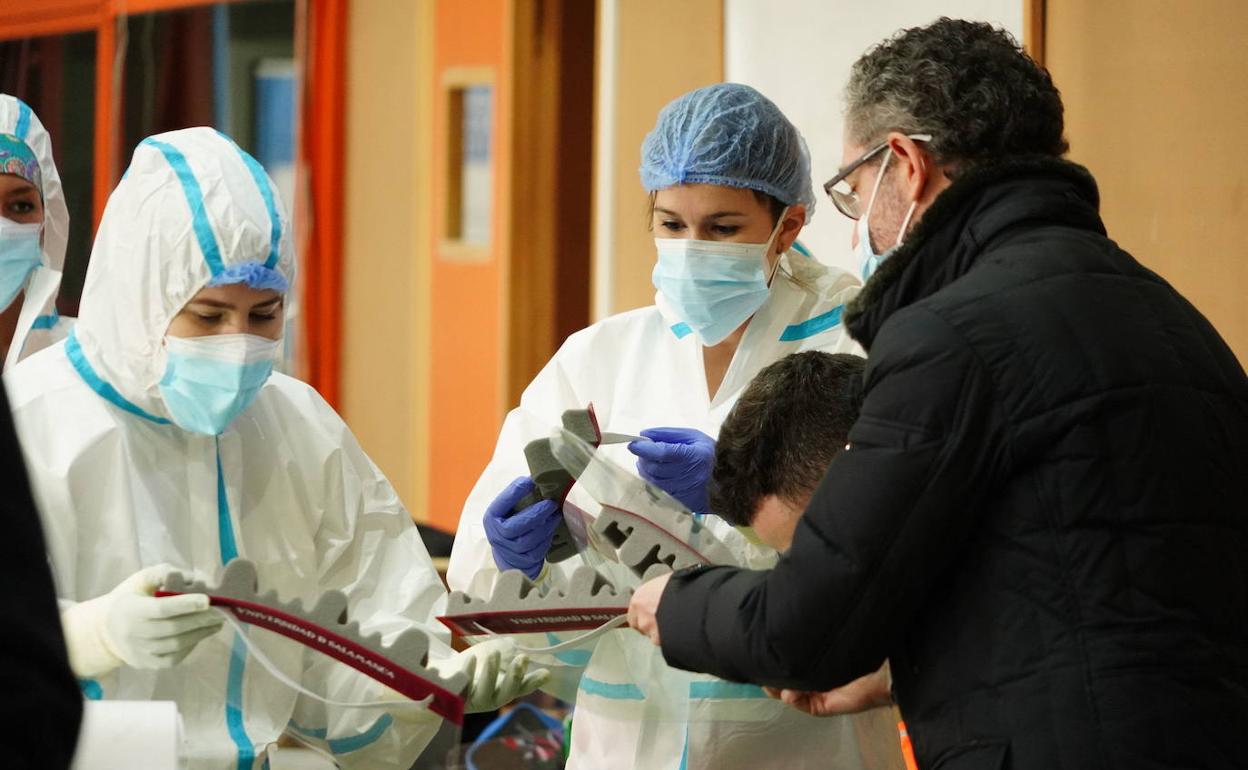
x,y
20,254
868,260
714,286
211,380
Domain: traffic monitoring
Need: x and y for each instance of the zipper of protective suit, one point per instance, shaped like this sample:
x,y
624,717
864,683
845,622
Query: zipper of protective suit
x,y
234,722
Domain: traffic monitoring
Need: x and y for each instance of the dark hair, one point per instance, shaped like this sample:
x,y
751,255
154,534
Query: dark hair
x,y
774,205
785,429
968,84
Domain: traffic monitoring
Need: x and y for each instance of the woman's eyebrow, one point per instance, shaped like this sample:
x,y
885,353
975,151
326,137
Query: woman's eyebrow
x,y
23,188
716,215
230,306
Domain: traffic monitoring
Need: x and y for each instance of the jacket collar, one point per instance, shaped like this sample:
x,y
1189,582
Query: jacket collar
x,y
982,204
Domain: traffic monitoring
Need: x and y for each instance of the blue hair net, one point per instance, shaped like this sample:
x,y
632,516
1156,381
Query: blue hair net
x,y
728,134
252,274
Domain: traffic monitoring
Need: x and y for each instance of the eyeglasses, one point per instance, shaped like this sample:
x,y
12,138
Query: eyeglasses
x,y
843,196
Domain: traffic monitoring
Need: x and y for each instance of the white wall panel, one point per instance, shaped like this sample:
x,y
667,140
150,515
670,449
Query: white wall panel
x,y
798,53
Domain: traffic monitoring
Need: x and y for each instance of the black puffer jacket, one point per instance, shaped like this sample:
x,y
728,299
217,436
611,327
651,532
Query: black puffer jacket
x,y
42,705
1043,517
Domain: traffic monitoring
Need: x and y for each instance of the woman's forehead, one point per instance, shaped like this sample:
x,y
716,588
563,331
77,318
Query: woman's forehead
x,y
235,295
699,200
12,184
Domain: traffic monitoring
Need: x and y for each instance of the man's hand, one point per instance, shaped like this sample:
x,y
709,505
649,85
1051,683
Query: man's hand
x,y
861,694
644,607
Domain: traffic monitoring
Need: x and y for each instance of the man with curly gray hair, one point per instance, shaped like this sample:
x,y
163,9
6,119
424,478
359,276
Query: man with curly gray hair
x,y
1039,518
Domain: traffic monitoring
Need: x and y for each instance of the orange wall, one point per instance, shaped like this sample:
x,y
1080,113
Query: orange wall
x,y
33,18
466,402
661,49
385,290
1156,103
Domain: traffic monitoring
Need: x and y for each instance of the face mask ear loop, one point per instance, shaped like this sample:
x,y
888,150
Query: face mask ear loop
x,y
771,241
875,189
905,223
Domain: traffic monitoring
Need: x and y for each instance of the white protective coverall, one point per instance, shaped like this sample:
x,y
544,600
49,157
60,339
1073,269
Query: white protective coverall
x,y
285,485
643,369
39,324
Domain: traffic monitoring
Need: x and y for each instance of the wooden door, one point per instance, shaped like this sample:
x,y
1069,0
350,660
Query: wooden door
x,y
1156,97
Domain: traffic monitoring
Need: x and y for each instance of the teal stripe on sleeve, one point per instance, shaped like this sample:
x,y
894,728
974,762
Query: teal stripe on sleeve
x,y
812,326
46,321
611,691
319,732
571,657
91,689
366,738
722,690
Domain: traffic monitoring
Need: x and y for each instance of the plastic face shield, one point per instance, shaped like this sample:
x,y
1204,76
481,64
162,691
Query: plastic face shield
x,y
668,531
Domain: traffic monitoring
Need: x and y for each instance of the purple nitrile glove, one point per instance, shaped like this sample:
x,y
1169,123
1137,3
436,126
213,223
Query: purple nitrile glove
x,y
678,461
520,540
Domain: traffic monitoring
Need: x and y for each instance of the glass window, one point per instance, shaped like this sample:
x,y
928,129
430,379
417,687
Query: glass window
x,y
470,184
220,65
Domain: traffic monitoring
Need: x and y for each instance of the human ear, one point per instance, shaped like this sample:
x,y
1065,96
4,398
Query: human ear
x,y
913,165
791,223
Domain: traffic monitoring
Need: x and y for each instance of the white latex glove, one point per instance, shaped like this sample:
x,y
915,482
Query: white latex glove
x,y
496,674
130,626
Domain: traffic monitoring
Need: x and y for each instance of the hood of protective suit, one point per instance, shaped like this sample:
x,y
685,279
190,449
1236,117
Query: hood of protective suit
x,y
18,119
192,209
39,324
